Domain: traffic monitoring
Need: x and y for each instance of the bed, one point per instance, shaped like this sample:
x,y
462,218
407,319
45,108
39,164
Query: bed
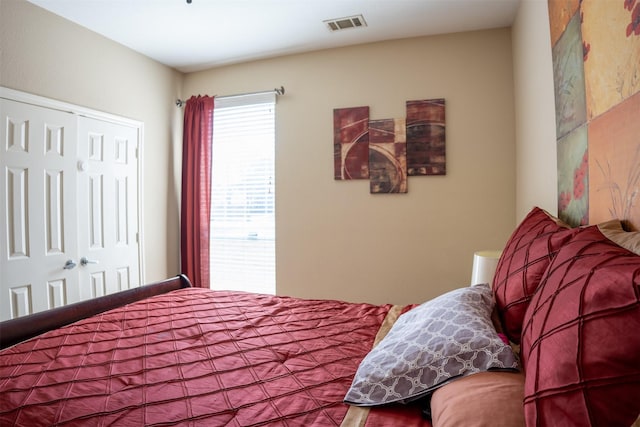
x,y
171,354
553,340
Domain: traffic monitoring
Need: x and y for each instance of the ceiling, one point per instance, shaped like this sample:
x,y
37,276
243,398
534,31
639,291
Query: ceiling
x,y
211,33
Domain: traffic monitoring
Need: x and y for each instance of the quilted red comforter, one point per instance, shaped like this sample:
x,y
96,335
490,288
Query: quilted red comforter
x,y
199,357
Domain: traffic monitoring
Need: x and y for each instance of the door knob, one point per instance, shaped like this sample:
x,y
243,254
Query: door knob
x,y
69,264
84,261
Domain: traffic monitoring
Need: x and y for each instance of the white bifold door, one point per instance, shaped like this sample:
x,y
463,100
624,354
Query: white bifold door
x,y
70,207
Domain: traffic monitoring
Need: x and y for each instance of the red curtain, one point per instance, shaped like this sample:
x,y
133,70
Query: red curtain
x,y
196,189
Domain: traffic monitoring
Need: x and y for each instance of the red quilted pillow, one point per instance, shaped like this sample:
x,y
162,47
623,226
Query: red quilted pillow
x,y
525,257
581,340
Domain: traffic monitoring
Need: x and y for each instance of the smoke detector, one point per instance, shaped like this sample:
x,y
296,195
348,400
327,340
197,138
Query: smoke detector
x,y
356,21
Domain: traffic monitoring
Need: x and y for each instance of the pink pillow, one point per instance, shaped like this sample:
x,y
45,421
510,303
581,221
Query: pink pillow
x,y
485,399
581,340
525,257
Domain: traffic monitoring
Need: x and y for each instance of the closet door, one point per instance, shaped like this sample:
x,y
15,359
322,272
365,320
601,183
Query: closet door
x,y
107,207
38,250
69,204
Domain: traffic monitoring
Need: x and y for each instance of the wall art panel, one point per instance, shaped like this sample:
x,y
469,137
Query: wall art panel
x,y
351,143
426,144
387,156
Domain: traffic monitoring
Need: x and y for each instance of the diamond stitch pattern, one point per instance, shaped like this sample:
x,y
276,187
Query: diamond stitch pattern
x,y
524,259
241,360
580,342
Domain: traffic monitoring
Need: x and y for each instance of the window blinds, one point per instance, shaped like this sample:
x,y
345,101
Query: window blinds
x,y
243,194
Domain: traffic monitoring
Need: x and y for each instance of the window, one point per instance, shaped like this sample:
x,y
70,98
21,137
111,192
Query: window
x,y
243,194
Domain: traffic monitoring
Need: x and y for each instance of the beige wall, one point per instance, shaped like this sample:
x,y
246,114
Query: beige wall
x,y
535,110
334,239
49,56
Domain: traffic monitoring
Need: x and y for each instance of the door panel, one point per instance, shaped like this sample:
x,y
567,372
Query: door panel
x,y
37,187
108,206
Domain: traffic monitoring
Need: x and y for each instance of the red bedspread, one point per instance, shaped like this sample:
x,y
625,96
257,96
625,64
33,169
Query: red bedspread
x,y
197,357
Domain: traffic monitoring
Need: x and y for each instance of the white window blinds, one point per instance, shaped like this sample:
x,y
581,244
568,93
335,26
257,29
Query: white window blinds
x,y
243,194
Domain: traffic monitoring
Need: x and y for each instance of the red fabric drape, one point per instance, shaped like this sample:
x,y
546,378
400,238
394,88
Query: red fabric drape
x,y
196,189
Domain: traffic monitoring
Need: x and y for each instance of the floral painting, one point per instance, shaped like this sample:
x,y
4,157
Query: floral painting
x,y
568,70
597,109
387,156
573,178
560,13
614,164
351,143
611,43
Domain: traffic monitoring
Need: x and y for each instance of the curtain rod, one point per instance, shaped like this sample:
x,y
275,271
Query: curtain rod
x,y
278,91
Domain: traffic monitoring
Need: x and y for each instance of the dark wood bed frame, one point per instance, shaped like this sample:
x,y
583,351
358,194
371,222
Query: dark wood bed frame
x,y
22,328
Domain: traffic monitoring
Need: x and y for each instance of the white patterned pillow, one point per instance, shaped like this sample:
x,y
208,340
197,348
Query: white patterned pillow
x,y
447,337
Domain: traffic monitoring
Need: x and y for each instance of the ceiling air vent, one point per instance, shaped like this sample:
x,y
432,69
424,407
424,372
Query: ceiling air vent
x,y
356,21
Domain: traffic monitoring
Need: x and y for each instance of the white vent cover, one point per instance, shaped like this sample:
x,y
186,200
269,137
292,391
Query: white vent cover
x,y
338,24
